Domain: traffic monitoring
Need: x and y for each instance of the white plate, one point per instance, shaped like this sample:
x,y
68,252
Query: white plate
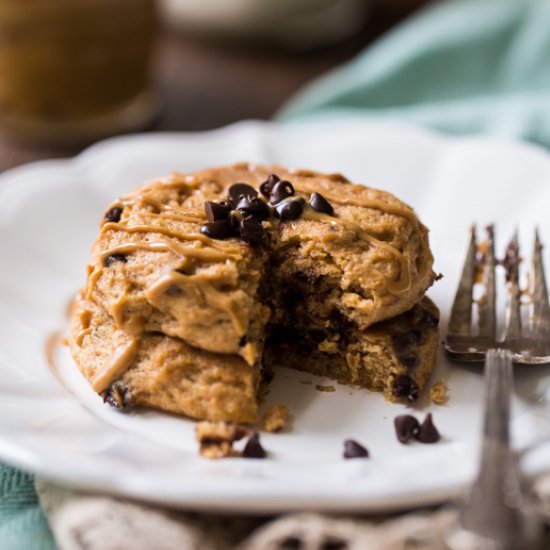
x,y
58,428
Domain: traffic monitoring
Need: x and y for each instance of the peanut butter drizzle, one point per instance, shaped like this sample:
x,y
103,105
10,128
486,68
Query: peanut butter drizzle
x,y
202,288
376,204
85,317
403,284
171,214
144,228
120,361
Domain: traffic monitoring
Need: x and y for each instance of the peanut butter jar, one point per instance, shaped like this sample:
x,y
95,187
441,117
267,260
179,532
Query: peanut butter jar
x,y
75,70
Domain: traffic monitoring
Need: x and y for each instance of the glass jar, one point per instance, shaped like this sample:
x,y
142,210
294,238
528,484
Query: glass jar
x,y
75,70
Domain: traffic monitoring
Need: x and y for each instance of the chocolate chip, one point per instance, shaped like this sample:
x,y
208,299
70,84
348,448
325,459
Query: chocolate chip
x,y
406,340
253,206
423,318
116,396
409,360
251,231
281,190
216,211
428,433
114,214
216,230
352,449
405,386
253,447
239,190
289,209
114,258
320,204
243,341
406,426
267,186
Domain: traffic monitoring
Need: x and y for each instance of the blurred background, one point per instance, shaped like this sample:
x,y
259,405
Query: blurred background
x,y
75,71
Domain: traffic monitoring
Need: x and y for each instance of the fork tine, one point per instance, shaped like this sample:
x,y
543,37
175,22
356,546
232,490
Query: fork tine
x,y
487,307
540,320
511,265
460,321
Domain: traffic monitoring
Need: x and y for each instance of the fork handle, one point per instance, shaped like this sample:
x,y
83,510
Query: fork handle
x,y
498,389
494,505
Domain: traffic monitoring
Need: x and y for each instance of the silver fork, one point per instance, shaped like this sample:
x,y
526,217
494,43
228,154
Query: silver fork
x,y
498,512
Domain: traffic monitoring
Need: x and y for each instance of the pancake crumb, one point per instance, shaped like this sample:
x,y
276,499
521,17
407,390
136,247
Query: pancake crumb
x,y
216,438
327,389
438,392
275,418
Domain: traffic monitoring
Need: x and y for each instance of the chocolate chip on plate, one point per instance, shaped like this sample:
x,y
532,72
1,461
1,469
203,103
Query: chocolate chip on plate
x,y
267,186
352,449
251,231
239,190
320,204
406,426
290,209
405,386
253,447
428,433
113,215
216,230
114,258
253,206
216,211
281,190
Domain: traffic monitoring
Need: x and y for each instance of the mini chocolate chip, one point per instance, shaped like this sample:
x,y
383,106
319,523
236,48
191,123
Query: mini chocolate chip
x,y
114,258
352,449
320,204
281,190
409,360
114,214
239,190
253,447
254,206
290,209
406,426
428,433
251,231
405,386
116,396
404,341
243,341
267,186
216,230
216,211
423,318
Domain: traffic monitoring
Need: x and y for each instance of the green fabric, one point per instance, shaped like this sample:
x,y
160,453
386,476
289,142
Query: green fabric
x,y
463,66
22,523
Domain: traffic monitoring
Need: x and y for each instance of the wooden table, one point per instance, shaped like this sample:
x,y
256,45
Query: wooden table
x,y
204,85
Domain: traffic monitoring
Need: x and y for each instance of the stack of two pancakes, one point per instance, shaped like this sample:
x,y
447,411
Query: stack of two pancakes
x,y
174,319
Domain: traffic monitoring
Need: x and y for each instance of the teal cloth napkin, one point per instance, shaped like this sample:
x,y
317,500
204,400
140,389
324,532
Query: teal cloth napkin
x,y
462,66
22,523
